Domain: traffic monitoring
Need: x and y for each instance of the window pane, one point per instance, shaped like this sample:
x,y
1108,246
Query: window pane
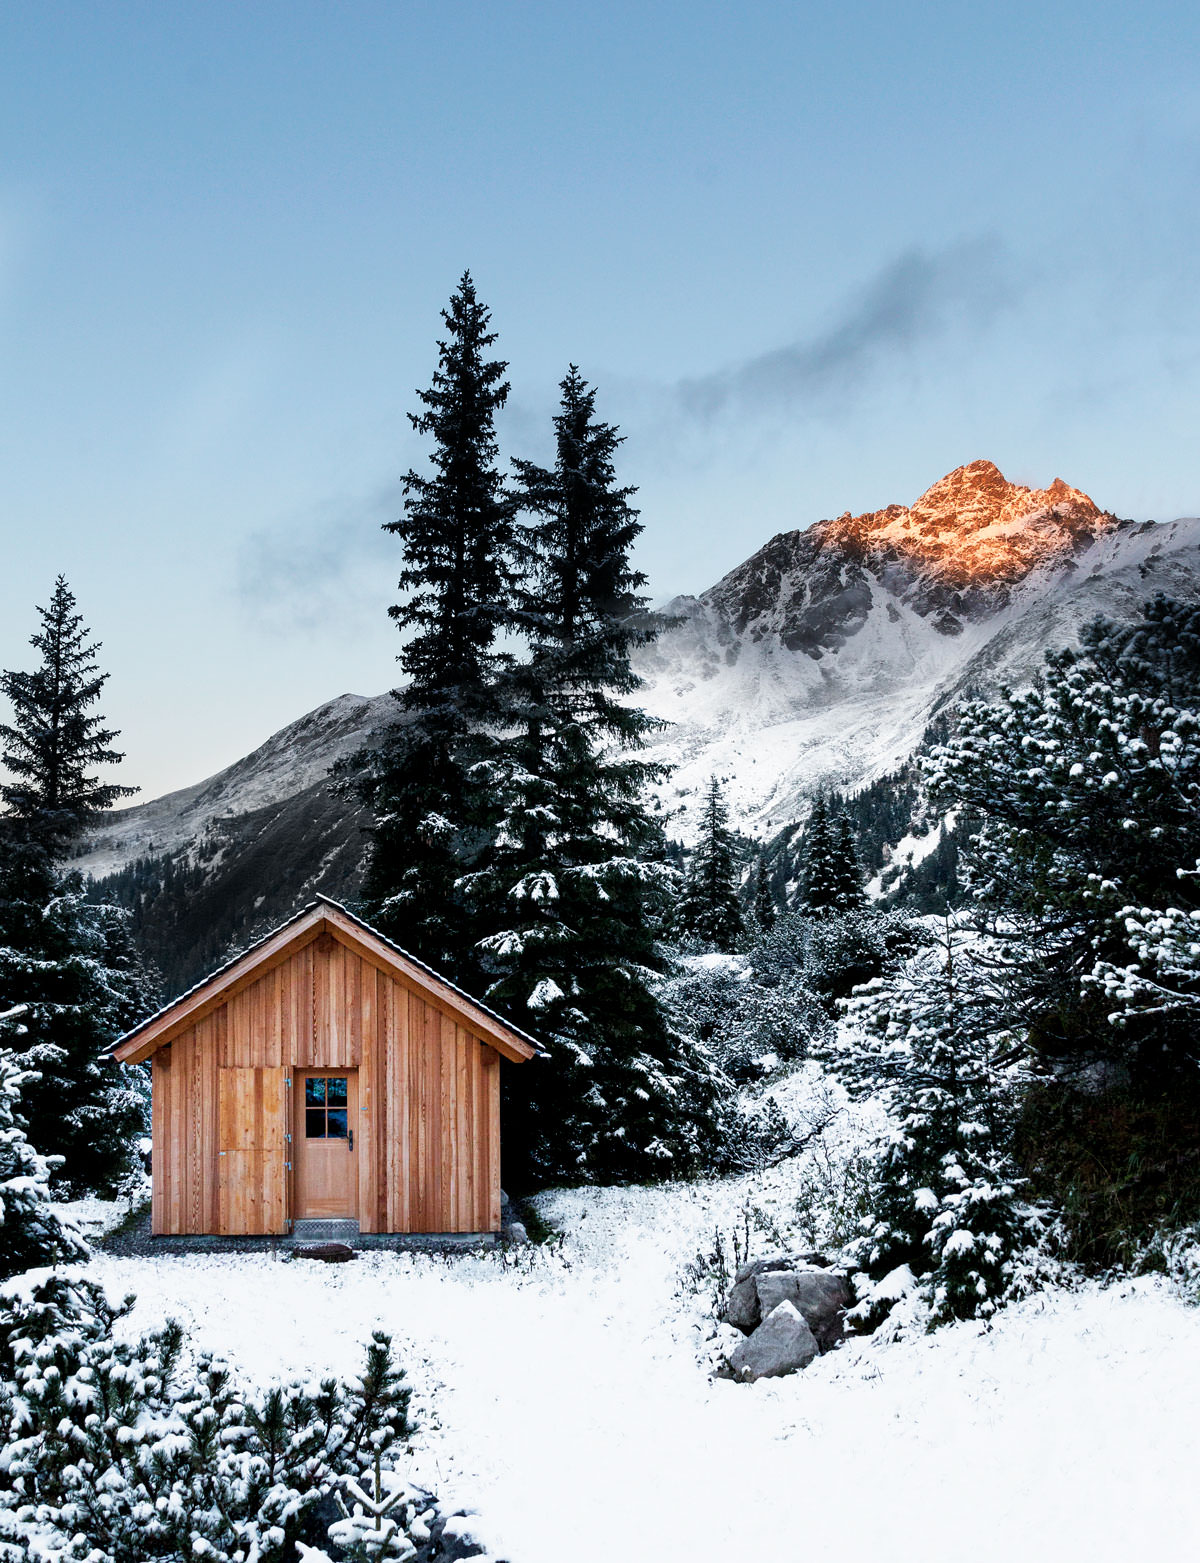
x,y
336,1092
314,1123
337,1123
314,1093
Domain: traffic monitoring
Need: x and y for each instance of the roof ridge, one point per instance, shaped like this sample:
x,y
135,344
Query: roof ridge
x,y
313,906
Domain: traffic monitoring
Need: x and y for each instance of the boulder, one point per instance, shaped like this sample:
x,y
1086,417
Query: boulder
x,y
330,1253
743,1308
515,1232
782,1343
821,1296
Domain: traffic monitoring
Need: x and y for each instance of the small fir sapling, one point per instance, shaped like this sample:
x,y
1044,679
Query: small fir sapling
x,y
933,1042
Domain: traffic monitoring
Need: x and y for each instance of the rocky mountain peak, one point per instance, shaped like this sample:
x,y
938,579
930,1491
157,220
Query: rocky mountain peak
x,y
973,527
953,555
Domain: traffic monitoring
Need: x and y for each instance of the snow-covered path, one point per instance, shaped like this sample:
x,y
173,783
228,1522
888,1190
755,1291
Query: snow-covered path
x,y
566,1404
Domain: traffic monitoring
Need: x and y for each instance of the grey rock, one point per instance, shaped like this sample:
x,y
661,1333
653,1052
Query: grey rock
x,y
782,1343
754,1266
820,1296
743,1309
515,1232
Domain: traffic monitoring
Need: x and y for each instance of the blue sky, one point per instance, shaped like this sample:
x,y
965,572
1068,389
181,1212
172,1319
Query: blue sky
x,y
814,257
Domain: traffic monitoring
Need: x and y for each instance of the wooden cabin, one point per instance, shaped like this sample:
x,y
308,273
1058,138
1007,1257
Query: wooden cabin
x,y
325,1074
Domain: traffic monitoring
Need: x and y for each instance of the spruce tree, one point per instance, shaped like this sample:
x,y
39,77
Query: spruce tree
x,y
1087,789
426,782
765,911
570,886
819,886
69,964
55,741
933,1042
709,908
848,893
81,1108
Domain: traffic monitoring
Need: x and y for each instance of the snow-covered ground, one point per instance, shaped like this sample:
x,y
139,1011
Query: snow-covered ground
x,y
562,1396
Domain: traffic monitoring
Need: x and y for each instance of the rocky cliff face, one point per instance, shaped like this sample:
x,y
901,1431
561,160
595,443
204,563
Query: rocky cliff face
x,y
817,662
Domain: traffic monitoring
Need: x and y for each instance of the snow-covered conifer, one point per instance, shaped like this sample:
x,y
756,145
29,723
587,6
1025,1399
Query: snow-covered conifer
x,y
820,887
569,890
764,909
933,1042
848,893
32,1234
67,961
708,908
1088,788
124,1451
425,780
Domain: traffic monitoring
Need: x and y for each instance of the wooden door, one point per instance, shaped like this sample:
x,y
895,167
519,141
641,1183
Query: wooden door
x,y
326,1157
251,1122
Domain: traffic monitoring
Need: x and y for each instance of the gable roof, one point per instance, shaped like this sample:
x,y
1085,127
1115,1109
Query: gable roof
x,y
320,916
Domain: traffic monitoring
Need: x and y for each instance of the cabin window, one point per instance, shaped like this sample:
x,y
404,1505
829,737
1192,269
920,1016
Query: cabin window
x,y
325,1108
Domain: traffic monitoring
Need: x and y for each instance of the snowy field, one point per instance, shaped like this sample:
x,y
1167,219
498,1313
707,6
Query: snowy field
x,y
563,1397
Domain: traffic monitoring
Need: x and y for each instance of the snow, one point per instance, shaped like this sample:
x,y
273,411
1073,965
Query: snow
x,y
564,1400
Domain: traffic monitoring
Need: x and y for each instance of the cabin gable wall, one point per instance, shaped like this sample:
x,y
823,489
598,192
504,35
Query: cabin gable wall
x,y
428,1117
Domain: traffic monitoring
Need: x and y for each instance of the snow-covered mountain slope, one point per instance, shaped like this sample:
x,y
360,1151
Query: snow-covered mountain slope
x,y
818,662
290,763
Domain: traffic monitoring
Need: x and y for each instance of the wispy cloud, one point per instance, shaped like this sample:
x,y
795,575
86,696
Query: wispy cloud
x,y
318,570
913,301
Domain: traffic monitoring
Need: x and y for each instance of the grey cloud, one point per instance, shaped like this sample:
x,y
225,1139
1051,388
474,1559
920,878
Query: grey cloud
x,y
915,299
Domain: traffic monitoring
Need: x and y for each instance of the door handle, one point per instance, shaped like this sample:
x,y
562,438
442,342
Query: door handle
x,y
350,1139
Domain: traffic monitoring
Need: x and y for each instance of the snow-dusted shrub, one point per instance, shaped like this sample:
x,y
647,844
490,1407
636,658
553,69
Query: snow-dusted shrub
x,y
834,953
31,1233
753,1029
120,1452
1175,1253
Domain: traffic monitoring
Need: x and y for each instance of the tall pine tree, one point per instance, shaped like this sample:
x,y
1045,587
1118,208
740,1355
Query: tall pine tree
x,y
427,782
67,964
55,740
709,909
573,875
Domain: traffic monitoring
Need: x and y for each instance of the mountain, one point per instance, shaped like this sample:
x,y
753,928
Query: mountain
x,y
819,662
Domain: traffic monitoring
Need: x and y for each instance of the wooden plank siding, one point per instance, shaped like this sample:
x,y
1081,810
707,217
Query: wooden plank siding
x,y
427,1121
